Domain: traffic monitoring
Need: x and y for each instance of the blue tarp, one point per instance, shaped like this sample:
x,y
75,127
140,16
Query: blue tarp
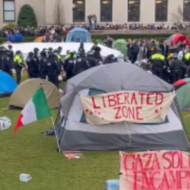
x,y
78,34
7,84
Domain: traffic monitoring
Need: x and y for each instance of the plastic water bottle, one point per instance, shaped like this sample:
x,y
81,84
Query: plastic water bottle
x,y
25,177
112,184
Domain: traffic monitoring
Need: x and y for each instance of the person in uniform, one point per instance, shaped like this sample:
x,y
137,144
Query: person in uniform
x,y
42,66
81,64
97,52
58,58
157,61
35,60
31,65
91,60
6,62
69,66
18,65
176,68
186,60
59,50
52,69
11,52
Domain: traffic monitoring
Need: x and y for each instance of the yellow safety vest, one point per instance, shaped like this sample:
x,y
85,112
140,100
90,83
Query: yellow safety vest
x,y
187,56
67,56
17,59
157,56
59,57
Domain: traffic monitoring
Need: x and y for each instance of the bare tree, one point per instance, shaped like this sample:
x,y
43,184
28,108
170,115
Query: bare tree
x,y
58,12
177,17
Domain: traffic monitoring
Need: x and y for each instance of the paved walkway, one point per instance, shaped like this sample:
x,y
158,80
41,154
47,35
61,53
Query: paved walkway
x,y
131,32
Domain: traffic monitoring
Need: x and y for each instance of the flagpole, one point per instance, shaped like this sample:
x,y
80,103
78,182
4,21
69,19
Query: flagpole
x,y
52,120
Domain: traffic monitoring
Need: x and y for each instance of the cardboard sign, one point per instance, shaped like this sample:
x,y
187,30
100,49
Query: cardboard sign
x,y
158,170
135,107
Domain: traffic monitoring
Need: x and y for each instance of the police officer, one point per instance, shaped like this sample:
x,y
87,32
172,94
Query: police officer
x,y
50,51
6,63
59,60
81,48
69,66
81,64
36,51
186,59
109,59
96,49
1,54
157,61
32,65
52,69
59,57
18,64
59,50
91,60
42,66
35,60
176,68
11,52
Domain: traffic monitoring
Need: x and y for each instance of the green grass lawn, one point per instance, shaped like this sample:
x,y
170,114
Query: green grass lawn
x,y
32,152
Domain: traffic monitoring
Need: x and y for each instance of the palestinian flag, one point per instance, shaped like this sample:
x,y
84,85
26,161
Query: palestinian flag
x,y
37,108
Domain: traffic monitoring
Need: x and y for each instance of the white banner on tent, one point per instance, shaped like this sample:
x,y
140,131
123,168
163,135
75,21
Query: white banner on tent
x,y
130,106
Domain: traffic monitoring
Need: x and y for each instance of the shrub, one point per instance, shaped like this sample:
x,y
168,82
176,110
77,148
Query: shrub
x,y
27,16
10,26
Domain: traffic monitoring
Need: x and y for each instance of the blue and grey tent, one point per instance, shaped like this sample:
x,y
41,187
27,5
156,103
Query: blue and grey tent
x,y
7,84
78,35
74,133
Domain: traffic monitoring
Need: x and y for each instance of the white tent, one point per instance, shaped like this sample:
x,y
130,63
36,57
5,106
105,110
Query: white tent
x,y
25,48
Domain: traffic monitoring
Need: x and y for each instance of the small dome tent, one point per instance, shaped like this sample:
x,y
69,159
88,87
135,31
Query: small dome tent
x,y
78,35
74,133
7,84
182,87
175,38
26,90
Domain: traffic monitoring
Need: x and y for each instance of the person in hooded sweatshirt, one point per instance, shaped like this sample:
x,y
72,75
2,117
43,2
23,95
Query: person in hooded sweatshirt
x,y
10,37
18,37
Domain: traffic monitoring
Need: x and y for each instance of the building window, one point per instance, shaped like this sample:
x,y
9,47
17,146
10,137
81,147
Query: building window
x,y
186,10
161,10
8,10
106,10
78,11
133,10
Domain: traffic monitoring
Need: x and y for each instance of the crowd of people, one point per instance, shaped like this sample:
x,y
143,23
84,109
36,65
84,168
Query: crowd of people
x,y
64,29
170,63
51,64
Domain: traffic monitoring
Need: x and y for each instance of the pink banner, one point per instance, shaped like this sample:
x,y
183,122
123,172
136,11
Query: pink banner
x,y
157,170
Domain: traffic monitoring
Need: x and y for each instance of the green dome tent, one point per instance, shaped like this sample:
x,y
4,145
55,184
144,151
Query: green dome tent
x,y
121,45
99,41
182,87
